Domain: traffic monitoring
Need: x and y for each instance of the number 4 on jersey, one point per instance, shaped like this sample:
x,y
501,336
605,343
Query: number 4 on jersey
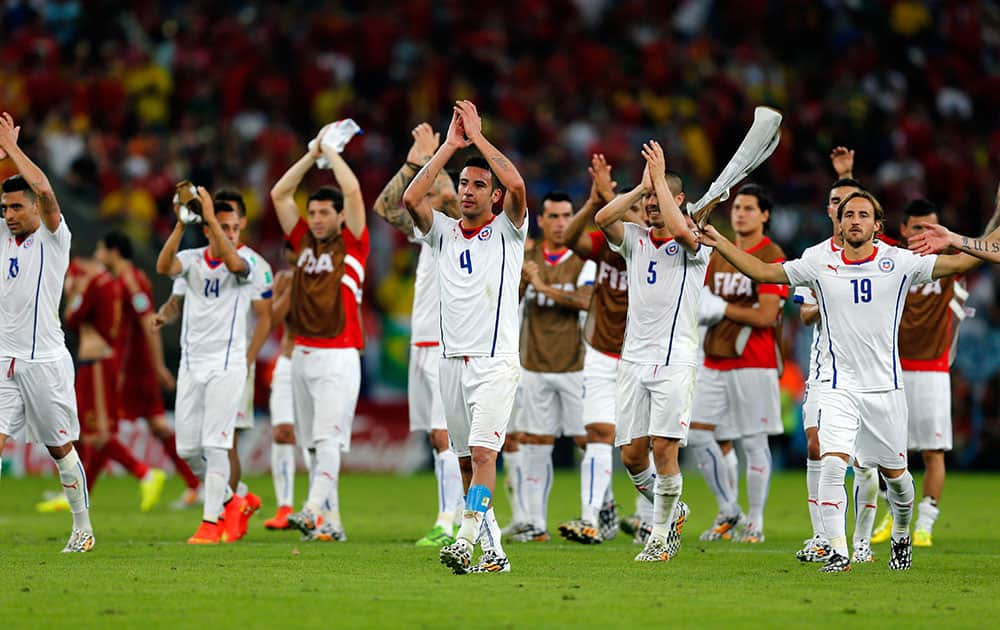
x,y
211,287
465,261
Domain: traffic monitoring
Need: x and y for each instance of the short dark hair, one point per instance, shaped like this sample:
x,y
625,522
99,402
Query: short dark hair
x,y
332,195
862,194
558,196
17,183
231,194
919,208
119,242
477,161
764,201
847,182
675,183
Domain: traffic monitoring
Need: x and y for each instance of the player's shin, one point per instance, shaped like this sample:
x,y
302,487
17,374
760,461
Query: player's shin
x,y
643,482
216,482
758,456
490,534
513,462
865,506
666,493
536,465
900,493
283,473
595,479
812,489
449,483
477,501
713,467
74,483
833,501
325,478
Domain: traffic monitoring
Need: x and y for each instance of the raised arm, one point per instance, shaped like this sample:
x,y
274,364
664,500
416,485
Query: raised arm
x,y
601,192
283,191
842,160
609,218
674,219
516,199
423,182
751,266
167,263
389,204
36,179
350,187
764,314
234,263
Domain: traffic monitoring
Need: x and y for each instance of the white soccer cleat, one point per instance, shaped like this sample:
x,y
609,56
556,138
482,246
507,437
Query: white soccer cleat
x,y
79,542
655,551
815,549
457,556
491,562
863,552
681,513
723,527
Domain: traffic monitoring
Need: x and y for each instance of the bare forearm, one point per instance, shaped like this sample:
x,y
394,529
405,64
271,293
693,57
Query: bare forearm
x,y
36,179
987,247
760,317
171,310
166,262
809,314
421,184
153,340
751,266
260,332
283,192
618,207
578,299
389,204
580,222
673,217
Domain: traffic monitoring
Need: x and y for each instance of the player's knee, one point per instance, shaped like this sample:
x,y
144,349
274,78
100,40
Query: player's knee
x,y
601,433
635,459
439,440
580,441
699,438
755,444
58,452
482,457
283,434
812,445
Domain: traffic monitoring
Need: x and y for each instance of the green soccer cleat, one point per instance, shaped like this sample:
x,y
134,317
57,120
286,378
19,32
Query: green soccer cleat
x,y
151,488
437,537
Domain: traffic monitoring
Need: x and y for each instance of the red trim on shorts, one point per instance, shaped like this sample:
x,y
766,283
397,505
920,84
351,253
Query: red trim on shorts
x,y
426,344
340,341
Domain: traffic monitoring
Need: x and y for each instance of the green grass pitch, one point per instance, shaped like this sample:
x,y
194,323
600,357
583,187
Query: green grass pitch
x,y
141,574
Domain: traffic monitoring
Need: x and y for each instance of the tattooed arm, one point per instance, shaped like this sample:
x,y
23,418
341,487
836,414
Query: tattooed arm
x,y
36,179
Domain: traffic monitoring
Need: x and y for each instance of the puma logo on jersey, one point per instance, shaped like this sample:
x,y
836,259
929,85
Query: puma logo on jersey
x,y
612,277
833,268
731,283
931,288
309,263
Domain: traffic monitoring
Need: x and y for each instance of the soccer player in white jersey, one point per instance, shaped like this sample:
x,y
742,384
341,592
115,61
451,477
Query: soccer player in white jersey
x,y
478,261
213,357
861,291
36,370
426,409
666,269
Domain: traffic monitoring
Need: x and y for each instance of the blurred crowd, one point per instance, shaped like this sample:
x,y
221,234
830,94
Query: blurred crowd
x,y
121,100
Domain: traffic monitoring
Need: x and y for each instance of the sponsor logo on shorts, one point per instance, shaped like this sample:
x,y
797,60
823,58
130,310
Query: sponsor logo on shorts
x,y
485,233
886,265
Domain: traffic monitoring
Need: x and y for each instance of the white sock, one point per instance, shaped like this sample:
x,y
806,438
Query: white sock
x,y
74,483
283,473
216,482
714,468
666,493
643,482
537,482
197,464
758,456
901,494
595,479
865,506
472,525
323,486
449,483
833,502
609,492
308,460
927,513
241,489
812,491
513,483
733,465
489,533
644,508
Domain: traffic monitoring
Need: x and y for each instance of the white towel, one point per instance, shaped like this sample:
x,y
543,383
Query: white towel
x,y
336,138
760,142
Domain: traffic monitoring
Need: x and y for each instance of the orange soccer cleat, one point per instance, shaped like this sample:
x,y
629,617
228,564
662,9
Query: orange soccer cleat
x,y
232,514
207,534
280,518
250,507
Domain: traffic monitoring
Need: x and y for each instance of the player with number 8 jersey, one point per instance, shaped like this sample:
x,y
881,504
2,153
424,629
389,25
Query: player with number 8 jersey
x,y
479,259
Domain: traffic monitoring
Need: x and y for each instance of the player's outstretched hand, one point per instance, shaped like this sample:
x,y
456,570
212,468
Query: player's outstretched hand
x,y
656,162
455,137
932,239
425,143
709,236
602,186
9,133
842,160
471,121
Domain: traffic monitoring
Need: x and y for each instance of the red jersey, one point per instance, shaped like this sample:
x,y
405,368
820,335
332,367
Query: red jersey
x,y
604,329
100,306
326,288
137,302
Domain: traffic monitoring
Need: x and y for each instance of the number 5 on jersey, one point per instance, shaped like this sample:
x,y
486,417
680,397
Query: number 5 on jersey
x,y
465,261
651,278
211,287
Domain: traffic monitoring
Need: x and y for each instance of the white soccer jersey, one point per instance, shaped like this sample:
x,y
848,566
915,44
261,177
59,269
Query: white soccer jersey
x,y
261,280
216,307
861,304
820,368
425,327
33,274
664,289
479,272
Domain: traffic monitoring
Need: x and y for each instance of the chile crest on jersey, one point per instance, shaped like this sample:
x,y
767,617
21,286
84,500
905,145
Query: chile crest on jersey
x,y
886,265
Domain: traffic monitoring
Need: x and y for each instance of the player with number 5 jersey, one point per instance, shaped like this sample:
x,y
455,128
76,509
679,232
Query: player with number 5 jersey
x,y
478,259
861,291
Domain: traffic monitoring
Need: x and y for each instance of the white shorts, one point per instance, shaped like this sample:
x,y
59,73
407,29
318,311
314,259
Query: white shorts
x,y
205,409
740,403
325,387
244,415
810,405
928,400
869,427
552,403
653,400
280,401
600,387
424,391
478,396
39,397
